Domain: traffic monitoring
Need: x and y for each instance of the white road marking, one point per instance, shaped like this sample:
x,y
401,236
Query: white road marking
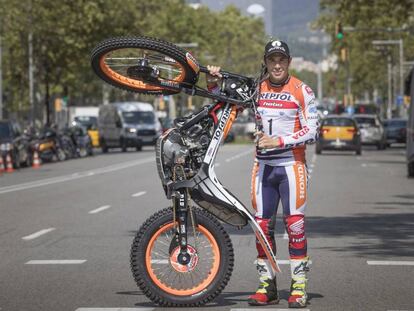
x,y
268,309
99,209
389,263
56,262
138,194
74,176
114,309
287,262
166,261
240,155
285,236
369,165
37,234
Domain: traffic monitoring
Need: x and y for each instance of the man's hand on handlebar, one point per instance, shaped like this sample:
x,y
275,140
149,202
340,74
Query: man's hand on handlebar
x,y
214,75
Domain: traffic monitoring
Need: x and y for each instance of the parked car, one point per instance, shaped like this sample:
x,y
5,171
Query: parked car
x,y
339,133
81,140
91,125
372,130
244,125
395,131
13,142
128,124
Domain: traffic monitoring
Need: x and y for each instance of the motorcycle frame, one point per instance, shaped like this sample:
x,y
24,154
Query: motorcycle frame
x,y
206,173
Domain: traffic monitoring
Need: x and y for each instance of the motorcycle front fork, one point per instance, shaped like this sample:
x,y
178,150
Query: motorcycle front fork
x,y
181,212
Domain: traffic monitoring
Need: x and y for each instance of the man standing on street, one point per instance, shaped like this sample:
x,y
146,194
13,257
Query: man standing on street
x,y
288,116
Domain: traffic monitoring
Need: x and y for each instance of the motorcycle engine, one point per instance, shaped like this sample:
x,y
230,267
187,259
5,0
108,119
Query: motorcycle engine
x,y
184,149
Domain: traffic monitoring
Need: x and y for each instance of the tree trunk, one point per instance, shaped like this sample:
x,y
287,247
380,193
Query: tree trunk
x,y
47,101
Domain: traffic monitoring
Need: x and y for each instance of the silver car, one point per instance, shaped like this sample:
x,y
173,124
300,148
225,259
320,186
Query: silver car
x,y
372,130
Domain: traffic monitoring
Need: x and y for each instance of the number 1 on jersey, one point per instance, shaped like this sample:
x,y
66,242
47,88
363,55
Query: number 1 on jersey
x,y
270,126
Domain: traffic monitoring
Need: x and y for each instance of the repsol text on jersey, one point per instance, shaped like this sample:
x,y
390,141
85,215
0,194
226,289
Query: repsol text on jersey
x,y
277,96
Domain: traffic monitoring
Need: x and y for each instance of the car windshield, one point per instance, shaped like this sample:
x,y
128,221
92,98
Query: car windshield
x,y
396,123
4,130
86,121
365,121
138,117
338,122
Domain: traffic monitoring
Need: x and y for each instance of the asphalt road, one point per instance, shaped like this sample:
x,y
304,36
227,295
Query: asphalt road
x,y
66,231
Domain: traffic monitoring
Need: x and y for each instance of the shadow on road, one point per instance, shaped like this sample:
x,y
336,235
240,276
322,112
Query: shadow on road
x,y
373,234
379,234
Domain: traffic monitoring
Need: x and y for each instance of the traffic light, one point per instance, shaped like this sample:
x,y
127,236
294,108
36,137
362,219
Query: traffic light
x,y
339,33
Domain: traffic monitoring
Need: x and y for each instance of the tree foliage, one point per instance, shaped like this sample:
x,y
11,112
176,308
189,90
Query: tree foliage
x,y
64,33
370,20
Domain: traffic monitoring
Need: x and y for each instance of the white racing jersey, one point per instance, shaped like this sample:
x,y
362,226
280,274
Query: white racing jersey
x,y
287,112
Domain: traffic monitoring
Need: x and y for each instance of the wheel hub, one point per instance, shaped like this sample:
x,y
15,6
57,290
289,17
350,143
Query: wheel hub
x,y
184,262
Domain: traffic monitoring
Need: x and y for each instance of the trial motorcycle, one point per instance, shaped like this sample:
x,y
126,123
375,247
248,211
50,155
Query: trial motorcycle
x,y
182,255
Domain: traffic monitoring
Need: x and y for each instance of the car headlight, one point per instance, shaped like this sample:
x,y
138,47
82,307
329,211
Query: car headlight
x,y
131,130
6,147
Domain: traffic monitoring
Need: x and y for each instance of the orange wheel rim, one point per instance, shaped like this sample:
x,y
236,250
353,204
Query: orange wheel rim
x,y
133,83
212,273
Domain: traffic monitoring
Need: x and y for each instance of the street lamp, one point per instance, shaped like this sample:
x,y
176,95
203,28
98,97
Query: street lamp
x,y
400,43
385,51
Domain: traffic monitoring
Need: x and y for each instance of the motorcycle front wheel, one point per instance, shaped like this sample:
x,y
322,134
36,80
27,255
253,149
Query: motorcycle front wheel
x,y
157,271
118,60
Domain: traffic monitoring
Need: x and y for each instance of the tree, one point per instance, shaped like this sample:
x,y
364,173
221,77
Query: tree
x,y
369,19
65,32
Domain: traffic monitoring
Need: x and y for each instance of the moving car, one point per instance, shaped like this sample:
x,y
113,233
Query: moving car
x,y
14,143
128,124
339,133
395,131
372,130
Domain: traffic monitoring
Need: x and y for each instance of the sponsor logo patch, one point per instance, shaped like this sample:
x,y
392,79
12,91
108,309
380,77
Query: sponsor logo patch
x,y
308,90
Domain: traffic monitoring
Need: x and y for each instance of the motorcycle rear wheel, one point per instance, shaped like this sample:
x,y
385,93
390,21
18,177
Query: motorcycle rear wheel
x,y
163,279
113,59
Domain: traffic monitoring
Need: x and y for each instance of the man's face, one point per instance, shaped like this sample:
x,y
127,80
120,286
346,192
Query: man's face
x,y
278,67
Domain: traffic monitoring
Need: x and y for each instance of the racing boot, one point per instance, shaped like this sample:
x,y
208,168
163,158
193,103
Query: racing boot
x,y
266,294
298,297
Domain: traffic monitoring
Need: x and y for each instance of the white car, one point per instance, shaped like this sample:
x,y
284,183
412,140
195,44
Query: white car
x,y
372,130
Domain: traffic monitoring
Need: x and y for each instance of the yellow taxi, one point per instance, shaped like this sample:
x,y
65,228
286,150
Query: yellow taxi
x,y
339,132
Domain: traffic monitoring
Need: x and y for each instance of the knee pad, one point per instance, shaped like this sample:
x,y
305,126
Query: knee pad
x,y
268,227
295,228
